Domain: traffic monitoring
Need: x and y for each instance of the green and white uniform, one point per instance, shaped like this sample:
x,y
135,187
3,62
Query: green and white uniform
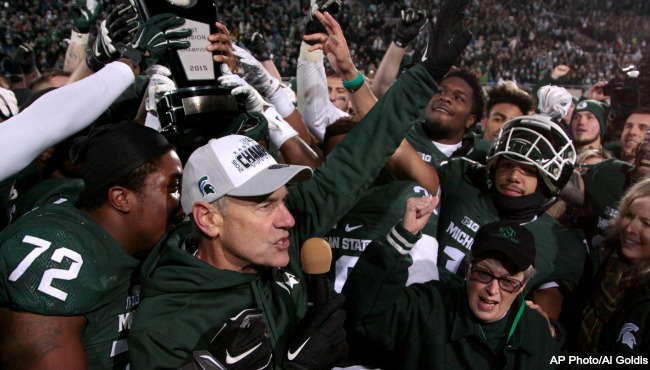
x,y
372,217
427,150
56,261
186,300
472,147
605,183
46,192
466,205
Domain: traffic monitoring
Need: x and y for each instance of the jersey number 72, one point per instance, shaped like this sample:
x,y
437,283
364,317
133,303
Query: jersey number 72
x,y
45,285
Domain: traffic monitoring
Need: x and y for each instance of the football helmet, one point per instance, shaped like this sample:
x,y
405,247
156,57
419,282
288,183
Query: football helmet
x,y
539,141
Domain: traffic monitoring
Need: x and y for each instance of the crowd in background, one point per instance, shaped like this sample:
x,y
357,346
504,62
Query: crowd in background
x,y
513,39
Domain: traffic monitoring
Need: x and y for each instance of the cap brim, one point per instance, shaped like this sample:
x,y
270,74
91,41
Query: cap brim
x,y
507,252
271,179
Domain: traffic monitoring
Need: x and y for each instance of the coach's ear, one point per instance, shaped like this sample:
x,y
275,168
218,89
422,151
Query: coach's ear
x,y
207,218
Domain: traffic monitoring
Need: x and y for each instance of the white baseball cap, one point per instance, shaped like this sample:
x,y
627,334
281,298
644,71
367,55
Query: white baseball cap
x,y
234,165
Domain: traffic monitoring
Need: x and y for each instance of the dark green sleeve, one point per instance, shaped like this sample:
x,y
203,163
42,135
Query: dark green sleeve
x,y
546,80
379,307
339,183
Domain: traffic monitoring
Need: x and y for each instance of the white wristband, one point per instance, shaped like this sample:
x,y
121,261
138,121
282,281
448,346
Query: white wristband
x,y
79,38
282,103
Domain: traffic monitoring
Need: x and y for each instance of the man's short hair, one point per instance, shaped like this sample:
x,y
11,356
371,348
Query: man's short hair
x,y
508,92
640,110
478,98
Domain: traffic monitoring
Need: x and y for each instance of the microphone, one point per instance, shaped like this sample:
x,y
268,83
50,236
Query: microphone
x,y
316,258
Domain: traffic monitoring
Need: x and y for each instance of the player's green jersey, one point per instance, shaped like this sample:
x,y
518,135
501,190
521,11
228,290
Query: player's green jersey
x,y
373,217
47,192
424,146
472,147
56,261
466,205
605,183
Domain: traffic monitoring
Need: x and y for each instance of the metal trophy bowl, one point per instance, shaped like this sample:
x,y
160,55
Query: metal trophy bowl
x,y
199,109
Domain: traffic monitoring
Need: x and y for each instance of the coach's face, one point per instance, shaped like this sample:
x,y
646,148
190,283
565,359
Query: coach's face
x,y
254,232
515,179
449,113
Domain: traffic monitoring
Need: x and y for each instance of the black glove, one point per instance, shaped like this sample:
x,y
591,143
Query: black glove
x,y
255,43
82,17
318,342
241,344
24,55
159,34
409,26
447,39
119,27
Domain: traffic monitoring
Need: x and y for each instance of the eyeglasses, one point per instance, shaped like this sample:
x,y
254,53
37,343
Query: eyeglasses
x,y
507,284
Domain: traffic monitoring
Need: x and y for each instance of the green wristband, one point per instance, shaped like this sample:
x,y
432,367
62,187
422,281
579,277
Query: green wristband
x,y
355,84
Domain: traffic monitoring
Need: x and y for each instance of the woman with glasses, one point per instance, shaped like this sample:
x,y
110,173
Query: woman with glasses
x,y
483,323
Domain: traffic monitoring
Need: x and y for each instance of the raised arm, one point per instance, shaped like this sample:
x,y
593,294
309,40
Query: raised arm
x,y
410,24
59,114
336,48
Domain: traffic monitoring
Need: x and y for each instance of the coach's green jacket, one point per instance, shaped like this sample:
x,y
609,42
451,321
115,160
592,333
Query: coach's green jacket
x,y
185,301
430,326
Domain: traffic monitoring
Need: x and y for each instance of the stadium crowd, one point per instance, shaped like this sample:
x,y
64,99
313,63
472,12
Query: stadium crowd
x,y
516,40
425,194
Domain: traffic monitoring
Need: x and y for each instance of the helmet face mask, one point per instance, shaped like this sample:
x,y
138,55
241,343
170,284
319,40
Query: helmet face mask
x,y
538,141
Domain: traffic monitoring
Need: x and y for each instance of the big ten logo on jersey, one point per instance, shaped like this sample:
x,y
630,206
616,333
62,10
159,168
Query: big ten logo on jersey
x,y
426,157
470,223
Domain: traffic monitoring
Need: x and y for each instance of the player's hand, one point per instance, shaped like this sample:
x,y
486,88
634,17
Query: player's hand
x,y
24,55
159,34
417,213
597,91
255,73
255,42
447,39
159,84
334,45
279,129
409,26
541,311
82,17
319,339
8,103
560,70
119,27
253,100
221,46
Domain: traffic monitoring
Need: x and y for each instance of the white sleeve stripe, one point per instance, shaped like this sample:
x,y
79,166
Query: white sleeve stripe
x,y
398,242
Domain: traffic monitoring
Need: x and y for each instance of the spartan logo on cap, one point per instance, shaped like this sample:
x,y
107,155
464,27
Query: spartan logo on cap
x,y
205,186
582,105
626,335
508,233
